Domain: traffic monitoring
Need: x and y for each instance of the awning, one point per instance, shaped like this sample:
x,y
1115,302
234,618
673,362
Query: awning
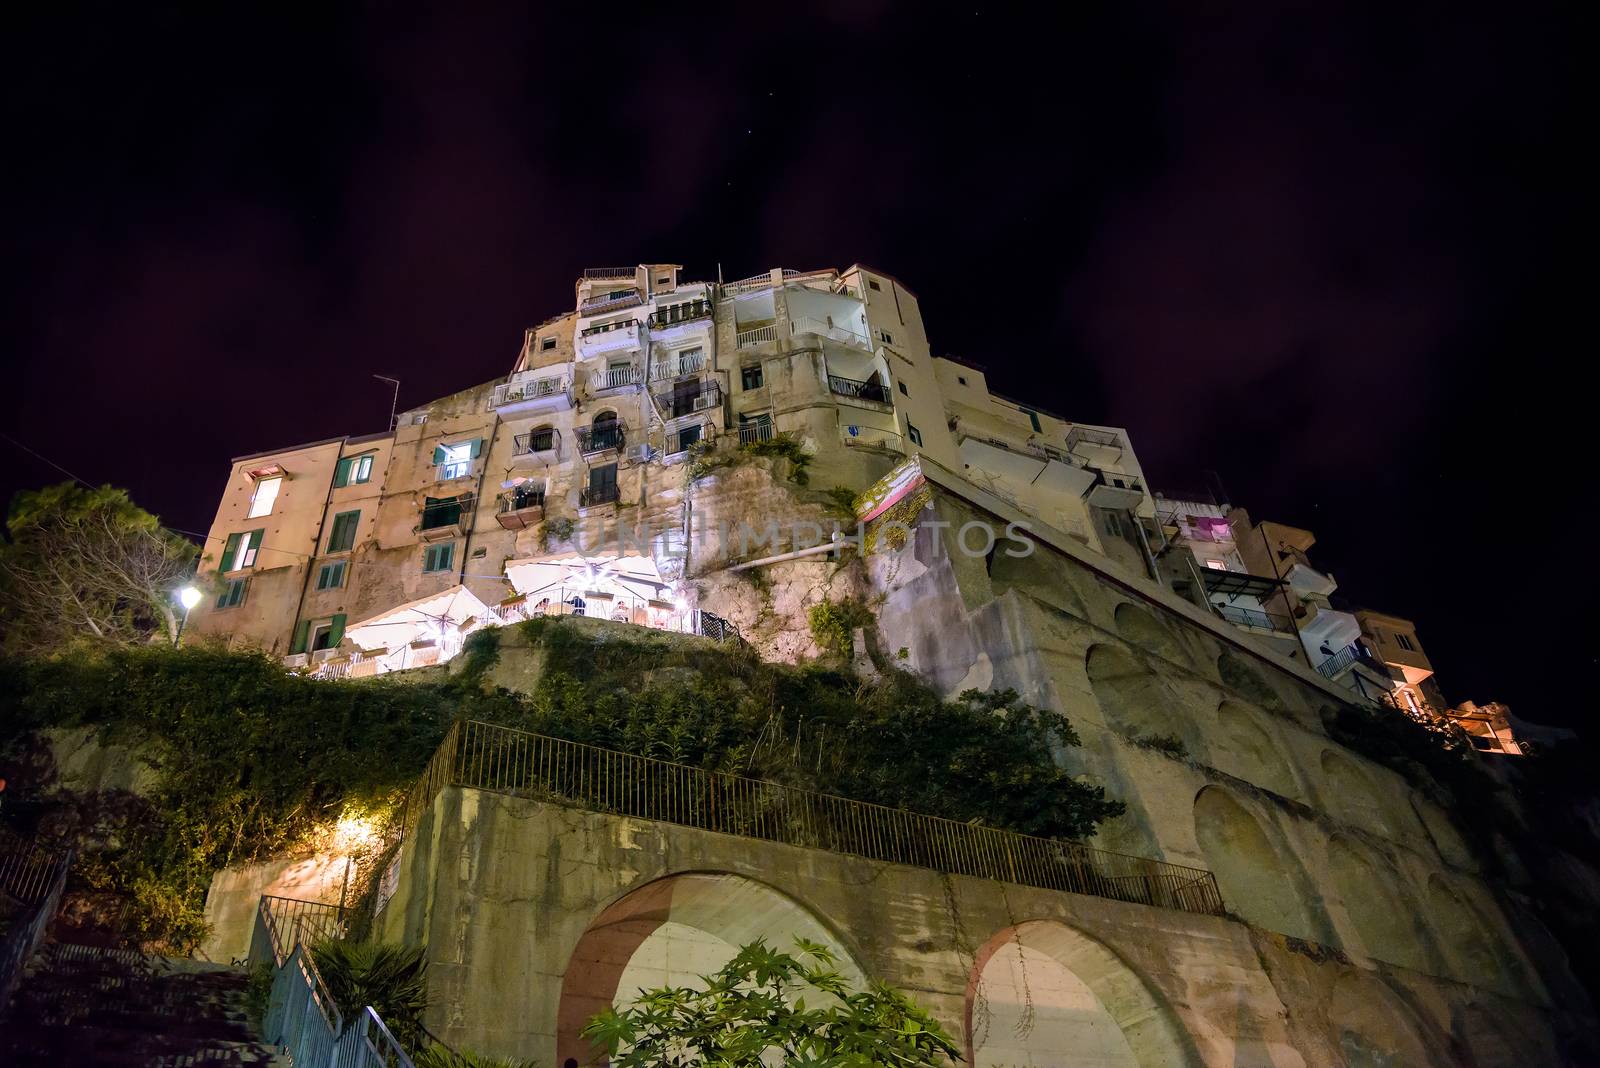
x,y
426,617
538,577
1235,583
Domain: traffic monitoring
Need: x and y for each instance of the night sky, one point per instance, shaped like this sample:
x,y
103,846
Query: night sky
x,y
1328,256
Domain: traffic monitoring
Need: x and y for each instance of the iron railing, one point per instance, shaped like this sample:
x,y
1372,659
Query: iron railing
x,y
28,868
675,314
1251,617
606,328
608,272
600,438
536,441
600,305
1347,657
605,493
676,403
484,756
849,387
283,921
716,628
754,431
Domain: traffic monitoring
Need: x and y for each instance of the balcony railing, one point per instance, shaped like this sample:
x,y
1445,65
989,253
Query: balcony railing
x,y
808,325
1082,435
602,305
518,392
755,336
520,509
871,437
609,328
758,430
1252,617
605,493
679,314
676,403
608,272
536,442
483,756
685,364
28,867
616,378
592,439
868,391
1348,657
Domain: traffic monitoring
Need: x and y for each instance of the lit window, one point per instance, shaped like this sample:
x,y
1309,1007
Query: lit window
x,y
240,551
266,493
1217,565
353,469
455,461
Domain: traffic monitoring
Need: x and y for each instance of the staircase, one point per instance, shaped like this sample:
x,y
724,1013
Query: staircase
x,y
78,1005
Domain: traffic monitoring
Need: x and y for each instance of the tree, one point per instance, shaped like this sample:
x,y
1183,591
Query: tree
x,y
755,1007
87,563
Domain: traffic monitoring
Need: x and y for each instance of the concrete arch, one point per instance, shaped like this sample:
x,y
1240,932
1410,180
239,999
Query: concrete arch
x,y
1385,919
1140,626
1132,697
1375,1029
1350,794
671,931
1044,993
1245,679
1250,751
1257,883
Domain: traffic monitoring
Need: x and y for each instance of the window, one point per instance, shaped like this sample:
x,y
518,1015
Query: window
x,y
232,594
440,512
546,344
543,439
318,635
331,577
688,436
1112,524
903,390
663,280
353,469
913,433
1405,643
342,538
962,379
886,337
1217,565
455,461
439,557
240,551
750,377
872,284
261,501
1033,417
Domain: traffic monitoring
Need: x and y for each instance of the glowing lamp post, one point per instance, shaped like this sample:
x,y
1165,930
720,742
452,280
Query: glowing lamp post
x,y
188,597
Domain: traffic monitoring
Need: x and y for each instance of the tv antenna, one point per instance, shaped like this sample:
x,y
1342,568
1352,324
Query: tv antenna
x,y
394,401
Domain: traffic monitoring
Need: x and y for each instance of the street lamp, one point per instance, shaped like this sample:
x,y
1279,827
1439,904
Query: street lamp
x,y
188,597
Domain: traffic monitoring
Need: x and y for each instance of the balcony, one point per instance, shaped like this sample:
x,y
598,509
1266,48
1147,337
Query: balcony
x,y
1097,447
873,392
1255,618
537,446
870,437
527,392
756,431
606,437
616,378
608,337
593,496
1113,489
606,304
686,363
807,325
1306,580
608,272
1351,656
756,335
677,403
521,508
688,313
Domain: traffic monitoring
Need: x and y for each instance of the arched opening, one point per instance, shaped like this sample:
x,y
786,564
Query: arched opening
x,y
1242,677
1376,1030
1349,794
1043,993
1249,752
1387,923
1133,698
669,933
1255,881
1142,628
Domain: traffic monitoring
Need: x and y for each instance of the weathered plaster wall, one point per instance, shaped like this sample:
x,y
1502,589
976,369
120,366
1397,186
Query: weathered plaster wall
x,y
506,891
235,896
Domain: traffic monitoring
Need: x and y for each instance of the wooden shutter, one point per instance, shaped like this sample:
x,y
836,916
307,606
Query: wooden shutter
x,y
253,546
301,630
336,635
439,454
341,474
229,551
477,447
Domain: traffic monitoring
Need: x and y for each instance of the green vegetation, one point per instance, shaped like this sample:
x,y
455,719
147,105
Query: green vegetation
x,y
1169,744
252,761
443,1057
556,529
1443,754
833,623
789,448
392,979
753,1012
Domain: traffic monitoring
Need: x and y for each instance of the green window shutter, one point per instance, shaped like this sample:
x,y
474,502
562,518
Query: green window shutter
x,y
341,474
477,448
447,557
337,634
343,535
301,630
1034,418
439,454
229,551
253,546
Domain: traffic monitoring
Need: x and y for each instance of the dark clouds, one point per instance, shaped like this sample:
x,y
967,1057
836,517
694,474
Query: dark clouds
x,y
1322,253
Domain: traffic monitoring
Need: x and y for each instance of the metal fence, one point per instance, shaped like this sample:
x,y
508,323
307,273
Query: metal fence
x,y
281,922
27,868
484,756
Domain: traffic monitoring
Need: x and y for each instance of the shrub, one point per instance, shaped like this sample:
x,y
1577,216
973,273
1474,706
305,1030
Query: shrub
x,y
392,979
833,624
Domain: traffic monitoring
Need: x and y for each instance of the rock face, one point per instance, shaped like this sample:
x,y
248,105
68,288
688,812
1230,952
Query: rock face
x,y
1363,929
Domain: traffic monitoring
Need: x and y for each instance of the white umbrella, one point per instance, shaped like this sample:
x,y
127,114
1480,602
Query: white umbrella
x,y
426,617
